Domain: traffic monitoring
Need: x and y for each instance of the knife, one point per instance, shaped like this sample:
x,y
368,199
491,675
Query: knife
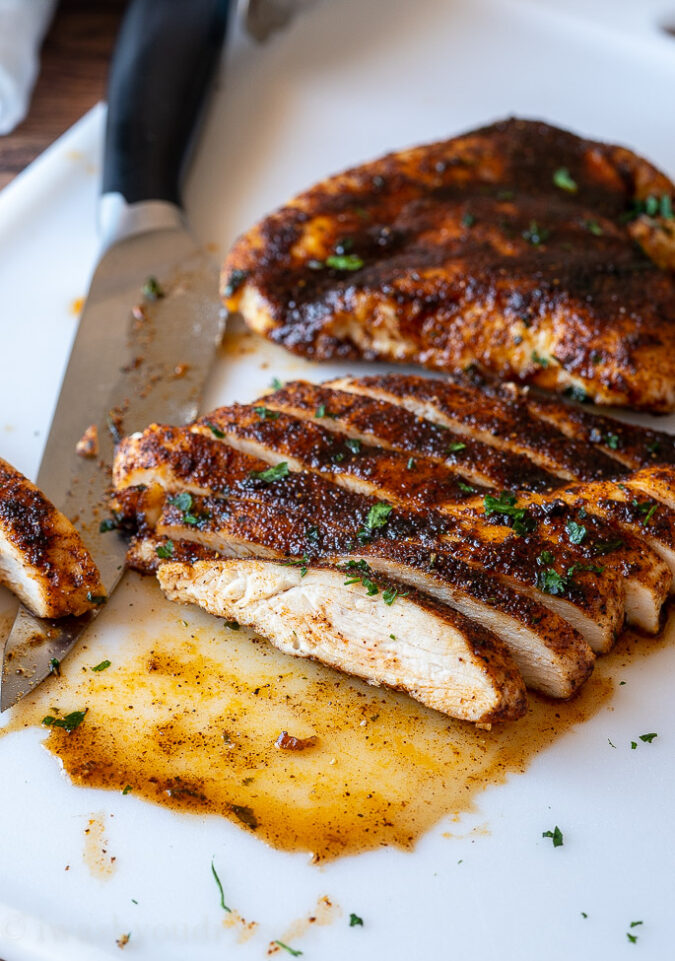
x,y
138,357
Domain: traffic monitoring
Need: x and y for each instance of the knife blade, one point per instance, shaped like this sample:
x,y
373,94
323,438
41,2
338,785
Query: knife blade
x,y
137,357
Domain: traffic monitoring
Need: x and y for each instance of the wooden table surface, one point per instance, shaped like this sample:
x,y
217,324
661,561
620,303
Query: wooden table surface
x,y
74,69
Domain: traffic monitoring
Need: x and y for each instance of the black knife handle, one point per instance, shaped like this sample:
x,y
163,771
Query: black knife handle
x,y
164,59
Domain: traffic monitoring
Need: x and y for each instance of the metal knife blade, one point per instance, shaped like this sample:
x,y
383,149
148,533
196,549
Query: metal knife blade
x,y
134,361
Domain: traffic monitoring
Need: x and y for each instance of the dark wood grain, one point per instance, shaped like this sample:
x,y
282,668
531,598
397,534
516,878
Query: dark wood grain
x,y
74,69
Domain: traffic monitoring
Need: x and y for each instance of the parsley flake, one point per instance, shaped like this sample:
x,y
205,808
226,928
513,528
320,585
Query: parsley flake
x,y
355,921
576,532
550,582
344,262
556,836
68,723
453,448
286,947
216,431
104,665
563,180
278,472
266,414
220,888
353,444
378,515
164,550
151,289
648,738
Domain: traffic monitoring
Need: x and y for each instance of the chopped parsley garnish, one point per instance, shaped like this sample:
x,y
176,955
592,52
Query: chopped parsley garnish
x,y
563,180
523,523
151,289
631,937
321,411
353,444
234,282
579,566
68,723
232,625
266,414
635,924
535,234
216,431
278,472
276,383
593,227
355,920
369,584
344,262
104,665
648,738
109,524
606,547
612,441
55,666
546,557
286,947
654,447
390,595
97,599
647,509
378,515
556,836
467,488
453,448
576,532
127,790
550,582
164,550
633,745
468,220
539,359
583,914
182,501
312,534
220,888
577,393
411,463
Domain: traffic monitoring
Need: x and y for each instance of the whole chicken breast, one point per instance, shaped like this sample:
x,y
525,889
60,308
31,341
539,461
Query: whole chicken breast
x,y
519,249
42,557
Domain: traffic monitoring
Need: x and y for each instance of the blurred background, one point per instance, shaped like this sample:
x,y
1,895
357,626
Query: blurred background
x,y
69,69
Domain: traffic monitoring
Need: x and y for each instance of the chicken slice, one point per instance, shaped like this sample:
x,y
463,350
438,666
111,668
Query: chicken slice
x,y
499,423
392,427
413,643
593,601
426,485
42,557
632,446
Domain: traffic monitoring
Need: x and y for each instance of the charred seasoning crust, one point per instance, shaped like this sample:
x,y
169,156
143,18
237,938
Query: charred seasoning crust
x,y
466,245
327,452
631,445
509,421
37,530
394,427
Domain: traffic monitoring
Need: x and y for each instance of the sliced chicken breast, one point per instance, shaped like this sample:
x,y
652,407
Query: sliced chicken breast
x,y
412,643
593,601
494,421
42,557
378,423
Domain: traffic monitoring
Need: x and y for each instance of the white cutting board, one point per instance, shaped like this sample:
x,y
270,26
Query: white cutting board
x,y
349,80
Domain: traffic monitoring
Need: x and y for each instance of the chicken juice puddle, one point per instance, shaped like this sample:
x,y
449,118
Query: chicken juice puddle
x,y
188,712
